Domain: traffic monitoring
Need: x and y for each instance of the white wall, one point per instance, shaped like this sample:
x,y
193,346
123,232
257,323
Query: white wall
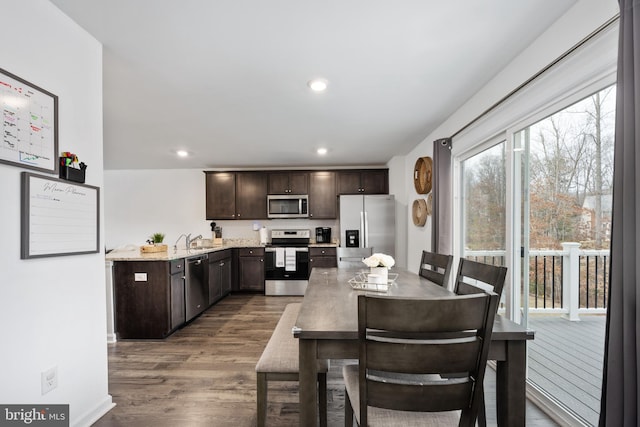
x,y
582,19
53,309
172,201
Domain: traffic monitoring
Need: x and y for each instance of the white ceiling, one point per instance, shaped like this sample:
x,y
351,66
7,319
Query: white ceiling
x,y
227,79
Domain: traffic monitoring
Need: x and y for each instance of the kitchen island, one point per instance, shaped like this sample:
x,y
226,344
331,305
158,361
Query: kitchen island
x,y
152,294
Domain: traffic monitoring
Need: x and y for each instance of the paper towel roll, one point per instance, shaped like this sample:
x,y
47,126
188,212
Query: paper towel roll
x,y
264,235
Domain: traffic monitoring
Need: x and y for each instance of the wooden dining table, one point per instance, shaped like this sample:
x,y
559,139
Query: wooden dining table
x,y
327,327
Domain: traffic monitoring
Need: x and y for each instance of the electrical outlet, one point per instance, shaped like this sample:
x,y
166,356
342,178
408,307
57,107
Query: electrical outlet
x,y
49,379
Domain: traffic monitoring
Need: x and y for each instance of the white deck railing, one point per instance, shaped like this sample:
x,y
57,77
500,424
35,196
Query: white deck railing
x,y
575,273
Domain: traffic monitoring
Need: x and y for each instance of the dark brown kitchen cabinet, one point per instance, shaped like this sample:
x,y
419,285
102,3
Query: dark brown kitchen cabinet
x,y
288,182
323,202
323,257
149,298
251,269
220,195
236,195
363,181
251,195
178,310
220,268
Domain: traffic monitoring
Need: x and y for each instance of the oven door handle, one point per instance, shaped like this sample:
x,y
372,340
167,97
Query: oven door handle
x,y
272,249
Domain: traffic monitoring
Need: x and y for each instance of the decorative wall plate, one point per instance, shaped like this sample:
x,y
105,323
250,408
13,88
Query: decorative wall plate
x,y
419,212
423,174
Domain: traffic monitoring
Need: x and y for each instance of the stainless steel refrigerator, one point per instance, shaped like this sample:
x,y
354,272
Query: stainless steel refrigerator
x,y
367,225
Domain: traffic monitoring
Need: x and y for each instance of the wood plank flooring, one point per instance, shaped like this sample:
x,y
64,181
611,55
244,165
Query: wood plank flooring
x,y
204,374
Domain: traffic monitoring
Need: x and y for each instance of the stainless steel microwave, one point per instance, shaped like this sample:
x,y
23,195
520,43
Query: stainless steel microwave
x,y
287,206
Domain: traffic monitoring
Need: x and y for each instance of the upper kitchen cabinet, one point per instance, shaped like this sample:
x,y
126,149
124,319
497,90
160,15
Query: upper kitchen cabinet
x,y
288,182
251,195
322,195
221,195
363,181
236,195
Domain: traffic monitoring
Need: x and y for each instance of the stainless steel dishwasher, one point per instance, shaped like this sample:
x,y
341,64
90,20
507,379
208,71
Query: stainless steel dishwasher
x,y
196,285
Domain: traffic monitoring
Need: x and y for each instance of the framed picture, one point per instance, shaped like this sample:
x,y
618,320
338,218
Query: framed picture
x,y
29,124
58,217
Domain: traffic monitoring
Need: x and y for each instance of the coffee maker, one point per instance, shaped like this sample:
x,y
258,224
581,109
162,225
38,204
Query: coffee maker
x,y
323,234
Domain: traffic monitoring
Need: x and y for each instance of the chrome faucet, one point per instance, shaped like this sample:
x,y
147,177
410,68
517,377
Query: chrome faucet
x,y
187,241
175,245
190,240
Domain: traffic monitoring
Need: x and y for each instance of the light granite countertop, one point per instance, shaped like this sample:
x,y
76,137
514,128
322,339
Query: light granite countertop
x,y
132,252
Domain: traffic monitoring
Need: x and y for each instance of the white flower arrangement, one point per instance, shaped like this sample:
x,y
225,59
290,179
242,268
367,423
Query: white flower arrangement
x,y
379,260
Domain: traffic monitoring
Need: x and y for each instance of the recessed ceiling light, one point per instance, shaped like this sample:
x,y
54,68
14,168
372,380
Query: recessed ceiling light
x,y
318,85
182,153
322,151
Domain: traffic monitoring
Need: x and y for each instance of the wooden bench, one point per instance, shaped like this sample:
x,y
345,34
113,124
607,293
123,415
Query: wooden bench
x,y
279,362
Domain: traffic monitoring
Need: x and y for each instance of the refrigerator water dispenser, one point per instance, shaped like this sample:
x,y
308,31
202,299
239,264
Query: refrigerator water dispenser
x,y
352,238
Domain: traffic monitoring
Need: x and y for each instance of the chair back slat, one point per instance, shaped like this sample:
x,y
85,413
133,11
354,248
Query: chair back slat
x,y
485,276
436,267
423,398
440,314
440,356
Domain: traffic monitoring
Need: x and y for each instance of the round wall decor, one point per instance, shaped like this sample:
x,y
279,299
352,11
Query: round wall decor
x,y
423,174
419,212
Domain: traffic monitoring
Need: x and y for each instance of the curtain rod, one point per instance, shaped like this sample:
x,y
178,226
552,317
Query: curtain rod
x,y
539,73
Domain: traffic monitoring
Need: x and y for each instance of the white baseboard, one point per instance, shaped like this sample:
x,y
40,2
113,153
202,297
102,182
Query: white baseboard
x,y
111,338
96,413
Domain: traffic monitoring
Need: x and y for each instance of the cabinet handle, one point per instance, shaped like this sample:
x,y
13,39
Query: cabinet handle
x,y
238,215
251,252
221,264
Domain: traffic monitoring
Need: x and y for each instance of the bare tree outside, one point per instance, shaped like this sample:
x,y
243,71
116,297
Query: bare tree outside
x,y
571,170
569,157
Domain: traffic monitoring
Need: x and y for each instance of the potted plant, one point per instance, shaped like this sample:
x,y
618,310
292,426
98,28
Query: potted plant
x,y
156,238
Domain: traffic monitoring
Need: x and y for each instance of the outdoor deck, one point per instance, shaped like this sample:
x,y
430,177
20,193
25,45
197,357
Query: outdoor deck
x,y
565,360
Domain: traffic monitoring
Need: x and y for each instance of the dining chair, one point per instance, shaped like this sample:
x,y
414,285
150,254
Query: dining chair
x,y
472,275
475,277
436,267
402,341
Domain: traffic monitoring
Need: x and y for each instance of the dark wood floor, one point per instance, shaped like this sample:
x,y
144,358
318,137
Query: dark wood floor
x,y
203,375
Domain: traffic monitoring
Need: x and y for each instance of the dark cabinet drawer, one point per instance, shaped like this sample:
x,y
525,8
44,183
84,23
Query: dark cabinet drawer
x,y
322,251
251,252
176,266
323,257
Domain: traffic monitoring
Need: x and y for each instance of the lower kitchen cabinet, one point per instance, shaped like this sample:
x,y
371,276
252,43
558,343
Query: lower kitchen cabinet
x,y
149,298
251,269
220,275
323,257
176,268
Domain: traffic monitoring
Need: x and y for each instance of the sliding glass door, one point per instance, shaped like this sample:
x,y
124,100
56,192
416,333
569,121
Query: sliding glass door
x,y
538,200
565,174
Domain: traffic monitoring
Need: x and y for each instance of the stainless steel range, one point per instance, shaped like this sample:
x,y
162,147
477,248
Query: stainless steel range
x,y
287,262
